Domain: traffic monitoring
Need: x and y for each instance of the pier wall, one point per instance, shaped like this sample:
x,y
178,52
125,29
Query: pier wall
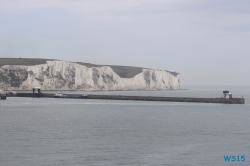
x,y
170,99
140,98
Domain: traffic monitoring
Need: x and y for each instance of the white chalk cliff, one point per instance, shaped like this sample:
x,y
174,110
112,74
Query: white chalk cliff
x,y
61,75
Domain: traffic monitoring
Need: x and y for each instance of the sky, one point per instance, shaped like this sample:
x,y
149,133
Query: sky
x,y
207,42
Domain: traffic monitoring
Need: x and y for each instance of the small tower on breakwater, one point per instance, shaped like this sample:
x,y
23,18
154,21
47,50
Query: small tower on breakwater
x,y
227,95
2,95
38,90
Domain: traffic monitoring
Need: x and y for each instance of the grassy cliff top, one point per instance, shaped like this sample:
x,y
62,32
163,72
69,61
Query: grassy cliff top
x,y
22,61
122,71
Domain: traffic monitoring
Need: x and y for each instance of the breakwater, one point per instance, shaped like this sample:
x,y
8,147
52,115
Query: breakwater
x,y
139,98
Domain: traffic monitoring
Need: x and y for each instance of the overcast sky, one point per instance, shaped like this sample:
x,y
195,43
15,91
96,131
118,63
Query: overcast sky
x,y
207,42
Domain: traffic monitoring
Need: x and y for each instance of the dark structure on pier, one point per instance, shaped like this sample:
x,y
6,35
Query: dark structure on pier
x,y
3,97
227,95
39,94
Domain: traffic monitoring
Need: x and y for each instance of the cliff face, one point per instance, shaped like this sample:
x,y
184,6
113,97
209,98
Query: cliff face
x,y
61,75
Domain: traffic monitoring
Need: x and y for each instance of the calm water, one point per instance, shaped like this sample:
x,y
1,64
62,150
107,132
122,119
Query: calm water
x,y
105,132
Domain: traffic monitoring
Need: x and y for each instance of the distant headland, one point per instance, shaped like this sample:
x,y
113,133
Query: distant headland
x,y
51,74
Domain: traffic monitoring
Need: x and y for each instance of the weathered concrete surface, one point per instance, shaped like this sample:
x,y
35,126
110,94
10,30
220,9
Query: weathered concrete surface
x,y
171,99
141,98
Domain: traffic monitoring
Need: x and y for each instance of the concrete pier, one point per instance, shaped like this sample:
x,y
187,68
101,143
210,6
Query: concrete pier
x,y
140,98
170,99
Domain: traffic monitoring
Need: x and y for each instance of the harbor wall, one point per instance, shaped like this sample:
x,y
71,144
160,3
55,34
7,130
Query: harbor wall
x,y
140,98
170,99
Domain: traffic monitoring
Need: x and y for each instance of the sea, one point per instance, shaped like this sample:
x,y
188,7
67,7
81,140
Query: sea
x,y
79,132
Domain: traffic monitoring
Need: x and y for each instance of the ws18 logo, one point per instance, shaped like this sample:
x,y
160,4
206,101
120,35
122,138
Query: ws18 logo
x,y
240,158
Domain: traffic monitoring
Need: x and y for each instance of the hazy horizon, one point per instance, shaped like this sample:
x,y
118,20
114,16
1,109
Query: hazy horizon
x,y
207,42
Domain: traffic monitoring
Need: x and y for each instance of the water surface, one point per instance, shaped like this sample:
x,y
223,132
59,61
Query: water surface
x,y
105,132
